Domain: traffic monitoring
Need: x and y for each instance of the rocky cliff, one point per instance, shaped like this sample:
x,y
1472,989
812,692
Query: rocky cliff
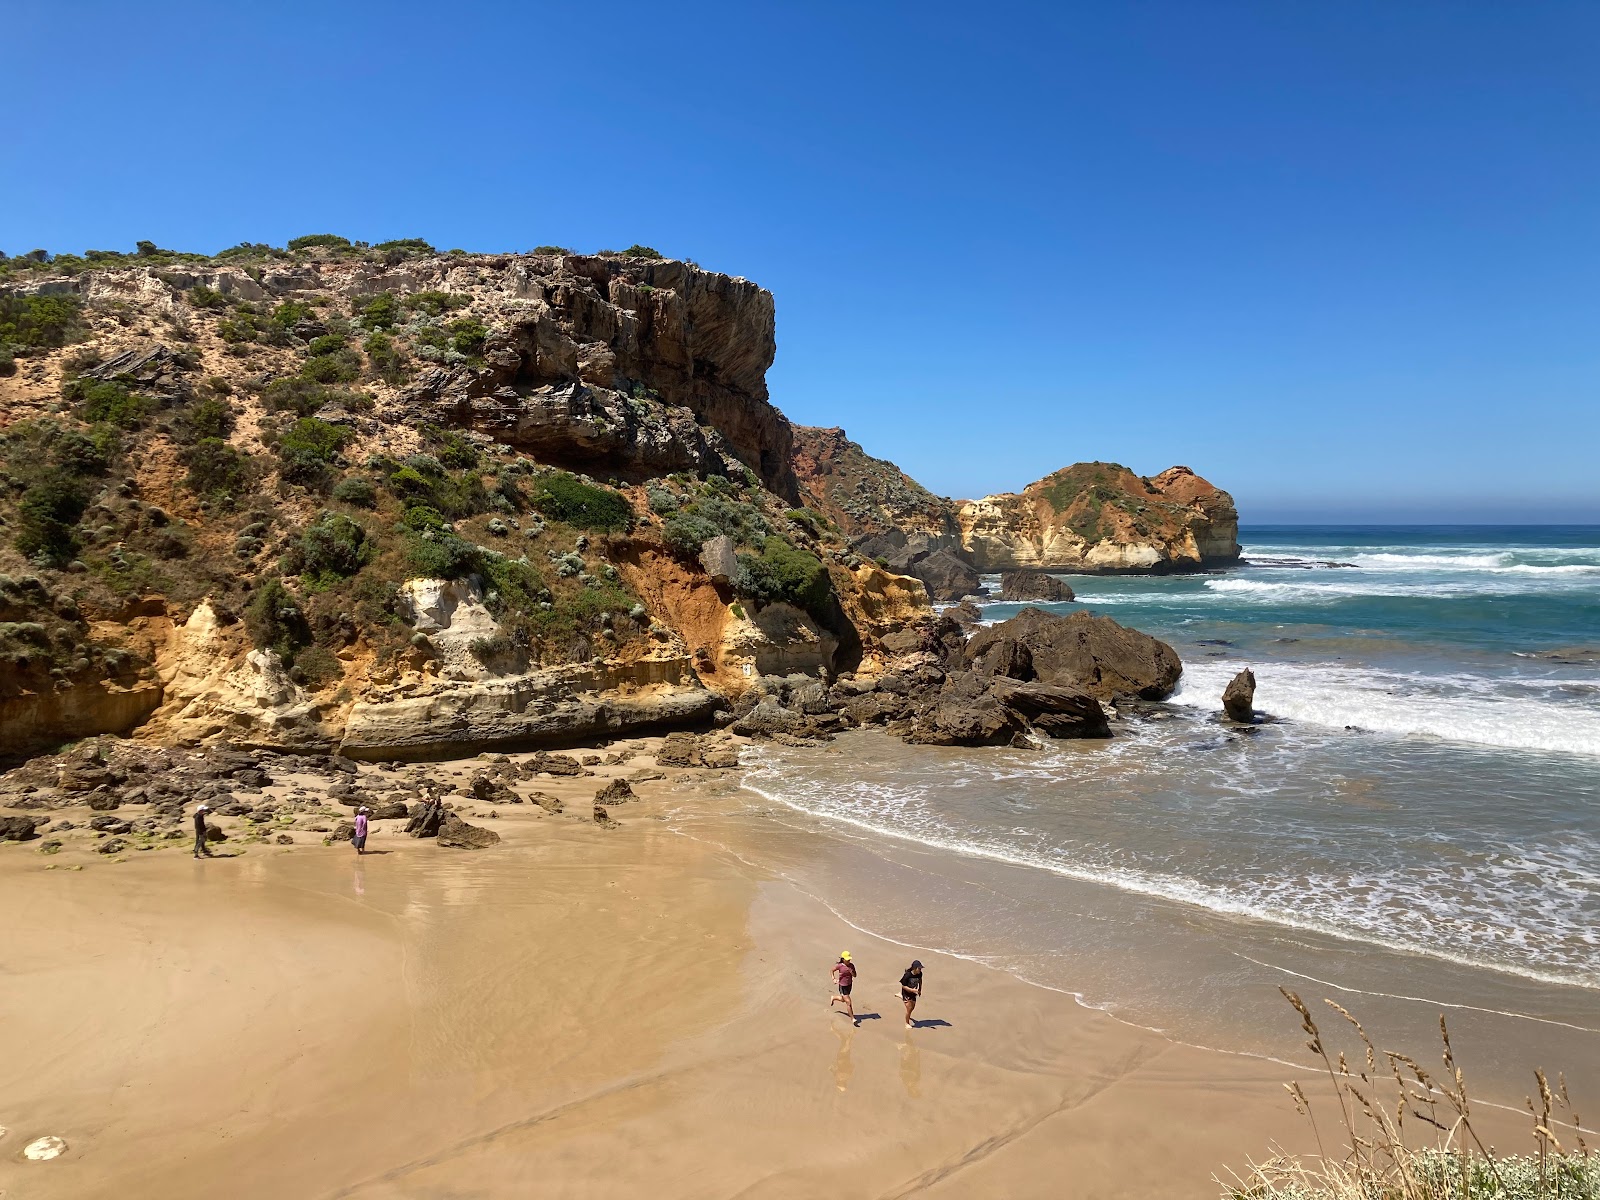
x,y
1102,518
866,496
407,504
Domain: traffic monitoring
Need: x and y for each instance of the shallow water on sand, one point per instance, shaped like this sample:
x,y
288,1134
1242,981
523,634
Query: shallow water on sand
x,y
1418,832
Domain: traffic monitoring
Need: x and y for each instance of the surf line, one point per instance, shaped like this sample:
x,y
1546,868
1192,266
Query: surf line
x,y
1353,991
1177,891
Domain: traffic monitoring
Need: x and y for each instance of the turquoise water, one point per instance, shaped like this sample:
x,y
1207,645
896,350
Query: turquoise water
x,y
1414,829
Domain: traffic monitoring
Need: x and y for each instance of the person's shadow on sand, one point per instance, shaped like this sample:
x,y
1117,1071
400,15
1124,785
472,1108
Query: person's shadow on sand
x,y
936,1023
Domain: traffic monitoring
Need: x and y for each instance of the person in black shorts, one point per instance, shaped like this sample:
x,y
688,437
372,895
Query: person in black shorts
x,y
910,989
201,850
844,975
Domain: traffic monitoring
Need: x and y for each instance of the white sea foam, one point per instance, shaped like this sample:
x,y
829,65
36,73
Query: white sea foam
x,y
1517,714
1364,910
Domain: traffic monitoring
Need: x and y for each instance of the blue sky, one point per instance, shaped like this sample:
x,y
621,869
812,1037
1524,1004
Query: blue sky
x,y
1340,258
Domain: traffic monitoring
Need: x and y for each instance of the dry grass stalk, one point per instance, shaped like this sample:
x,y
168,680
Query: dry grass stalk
x,y
1439,1158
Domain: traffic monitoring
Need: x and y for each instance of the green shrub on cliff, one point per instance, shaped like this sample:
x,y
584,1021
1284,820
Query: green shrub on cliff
x,y
308,241
784,572
105,400
40,322
218,470
564,497
308,447
331,548
356,491
276,622
387,359
48,518
336,366
436,303
209,417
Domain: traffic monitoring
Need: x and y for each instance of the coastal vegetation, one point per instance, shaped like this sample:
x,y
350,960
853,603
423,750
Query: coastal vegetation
x,y
1406,1133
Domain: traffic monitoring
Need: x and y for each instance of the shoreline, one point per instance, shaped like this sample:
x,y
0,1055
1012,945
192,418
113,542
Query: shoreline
x,y
472,1061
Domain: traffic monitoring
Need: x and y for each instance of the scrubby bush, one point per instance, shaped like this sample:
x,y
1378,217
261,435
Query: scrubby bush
x,y
564,497
442,556
209,417
435,303
301,396
290,311
549,250
39,322
105,400
315,667
307,447
331,548
452,449
48,517
307,241
687,532
200,296
662,502
467,336
337,366
411,245
783,572
326,344
89,453
383,311
387,360
420,517
218,470
422,480
276,622
356,491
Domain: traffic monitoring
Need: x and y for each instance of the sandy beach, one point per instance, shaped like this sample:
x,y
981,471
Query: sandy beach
x,y
580,1011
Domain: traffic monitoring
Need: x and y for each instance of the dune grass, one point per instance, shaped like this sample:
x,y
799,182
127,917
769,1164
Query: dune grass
x,y
1406,1133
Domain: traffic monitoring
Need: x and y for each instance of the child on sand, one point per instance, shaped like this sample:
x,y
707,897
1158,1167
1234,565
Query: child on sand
x,y
844,975
359,838
910,989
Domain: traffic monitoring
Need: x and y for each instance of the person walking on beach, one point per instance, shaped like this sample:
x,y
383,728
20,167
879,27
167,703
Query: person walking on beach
x,y
200,847
358,839
910,989
844,976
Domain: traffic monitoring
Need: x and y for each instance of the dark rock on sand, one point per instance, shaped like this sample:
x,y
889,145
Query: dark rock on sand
x,y
1033,585
618,791
1096,654
1053,709
17,829
457,834
1238,698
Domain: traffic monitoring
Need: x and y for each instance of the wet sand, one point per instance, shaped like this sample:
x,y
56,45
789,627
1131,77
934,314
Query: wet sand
x,y
579,1011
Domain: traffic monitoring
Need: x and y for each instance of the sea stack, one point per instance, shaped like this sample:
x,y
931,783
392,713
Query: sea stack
x,y
1238,698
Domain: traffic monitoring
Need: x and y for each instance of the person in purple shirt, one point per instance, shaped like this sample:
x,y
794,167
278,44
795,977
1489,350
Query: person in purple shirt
x,y
359,837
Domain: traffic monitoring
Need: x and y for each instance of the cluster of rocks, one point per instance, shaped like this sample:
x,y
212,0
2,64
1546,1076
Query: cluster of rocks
x,y
1037,674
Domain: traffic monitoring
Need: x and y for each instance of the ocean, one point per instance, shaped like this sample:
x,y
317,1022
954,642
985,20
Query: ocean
x,y
1413,830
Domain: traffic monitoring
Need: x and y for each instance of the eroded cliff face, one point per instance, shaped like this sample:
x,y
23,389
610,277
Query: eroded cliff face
x,y
1102,518
405,506
866,496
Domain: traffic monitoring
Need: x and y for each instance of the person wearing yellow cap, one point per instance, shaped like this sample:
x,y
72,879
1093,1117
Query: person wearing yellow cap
x,y
844,977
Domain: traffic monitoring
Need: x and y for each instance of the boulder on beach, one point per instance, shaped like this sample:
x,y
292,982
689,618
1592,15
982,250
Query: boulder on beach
x,y
618,791
1033,585
1238,698
1096,654
17,829
457,834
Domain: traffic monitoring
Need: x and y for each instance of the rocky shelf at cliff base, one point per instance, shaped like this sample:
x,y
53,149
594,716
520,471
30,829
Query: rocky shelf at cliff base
x,y
401,504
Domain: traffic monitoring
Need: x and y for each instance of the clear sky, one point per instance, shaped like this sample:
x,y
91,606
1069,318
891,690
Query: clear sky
x,y
1342,258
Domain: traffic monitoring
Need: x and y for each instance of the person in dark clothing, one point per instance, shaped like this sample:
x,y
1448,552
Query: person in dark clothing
x,y
200,847
844,975
910,989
